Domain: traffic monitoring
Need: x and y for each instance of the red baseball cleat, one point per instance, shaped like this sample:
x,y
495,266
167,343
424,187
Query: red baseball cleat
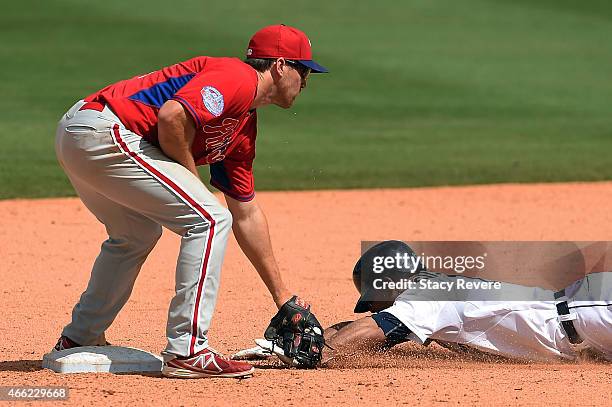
x,y
206,363
64,343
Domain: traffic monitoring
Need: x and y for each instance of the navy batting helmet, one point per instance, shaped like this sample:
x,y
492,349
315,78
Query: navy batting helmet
x,y
365,271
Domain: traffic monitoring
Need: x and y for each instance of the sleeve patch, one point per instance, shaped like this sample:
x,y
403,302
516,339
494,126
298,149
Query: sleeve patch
x,y
213,100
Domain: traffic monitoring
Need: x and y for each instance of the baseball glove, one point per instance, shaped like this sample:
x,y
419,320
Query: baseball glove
x,y
297,331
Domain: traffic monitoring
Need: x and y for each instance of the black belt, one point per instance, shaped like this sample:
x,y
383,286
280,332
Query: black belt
x,y
568,325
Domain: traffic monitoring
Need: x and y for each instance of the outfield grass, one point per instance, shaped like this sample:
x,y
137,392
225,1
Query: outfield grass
x,y
427,92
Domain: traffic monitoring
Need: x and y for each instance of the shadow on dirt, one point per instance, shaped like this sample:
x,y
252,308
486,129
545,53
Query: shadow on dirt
x,y
20,365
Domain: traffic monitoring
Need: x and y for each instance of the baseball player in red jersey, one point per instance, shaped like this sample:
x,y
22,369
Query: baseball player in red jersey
x,y
131,151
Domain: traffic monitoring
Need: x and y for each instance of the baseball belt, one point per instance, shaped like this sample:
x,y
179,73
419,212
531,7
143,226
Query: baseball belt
x,y
567,318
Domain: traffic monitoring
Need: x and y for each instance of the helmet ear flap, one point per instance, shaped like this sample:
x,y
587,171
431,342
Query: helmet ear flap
x,y
357,275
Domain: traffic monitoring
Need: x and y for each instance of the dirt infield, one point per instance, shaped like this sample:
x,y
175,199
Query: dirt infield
x,y
48,246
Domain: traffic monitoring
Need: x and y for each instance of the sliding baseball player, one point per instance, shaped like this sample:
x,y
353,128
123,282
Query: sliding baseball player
x,y
563,325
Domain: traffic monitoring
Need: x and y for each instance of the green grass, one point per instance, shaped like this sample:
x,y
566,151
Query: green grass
x,y
422,92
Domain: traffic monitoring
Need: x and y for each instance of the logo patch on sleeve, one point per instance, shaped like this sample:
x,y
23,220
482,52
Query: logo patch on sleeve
x,y
213,100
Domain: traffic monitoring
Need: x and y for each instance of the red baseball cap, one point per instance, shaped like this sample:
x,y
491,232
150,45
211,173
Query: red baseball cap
x,y
282,41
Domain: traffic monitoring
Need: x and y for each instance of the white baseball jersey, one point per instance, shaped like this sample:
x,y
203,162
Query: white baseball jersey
x,y
529,330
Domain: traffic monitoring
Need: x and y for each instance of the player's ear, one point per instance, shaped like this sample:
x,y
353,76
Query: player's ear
x,y
278,68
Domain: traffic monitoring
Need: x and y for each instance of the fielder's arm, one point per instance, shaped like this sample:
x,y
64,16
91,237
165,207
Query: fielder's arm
x,y
175,133
250,228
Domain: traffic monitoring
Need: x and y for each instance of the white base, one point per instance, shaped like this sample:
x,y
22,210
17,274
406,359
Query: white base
x,y
102,359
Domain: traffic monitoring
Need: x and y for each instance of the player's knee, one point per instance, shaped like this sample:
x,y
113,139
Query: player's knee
x,y
219,218
154,234
136,238
224,218
146,237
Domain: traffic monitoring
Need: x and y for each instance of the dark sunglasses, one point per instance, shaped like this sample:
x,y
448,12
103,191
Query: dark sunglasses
x,y
304,71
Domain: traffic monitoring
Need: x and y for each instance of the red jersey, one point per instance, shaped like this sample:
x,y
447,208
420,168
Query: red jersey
x,y
217,93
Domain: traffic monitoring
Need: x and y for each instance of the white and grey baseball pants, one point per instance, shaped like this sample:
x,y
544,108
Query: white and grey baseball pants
x,y
134,190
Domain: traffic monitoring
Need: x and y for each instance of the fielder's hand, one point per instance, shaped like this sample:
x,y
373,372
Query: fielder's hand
x,y
296,330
